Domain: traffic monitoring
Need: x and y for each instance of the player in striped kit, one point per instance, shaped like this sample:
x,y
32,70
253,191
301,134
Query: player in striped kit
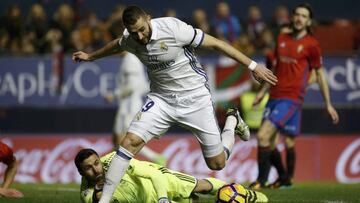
x,y
179,92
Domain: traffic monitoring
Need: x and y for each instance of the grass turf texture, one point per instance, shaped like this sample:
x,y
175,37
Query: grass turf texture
x,y
300,192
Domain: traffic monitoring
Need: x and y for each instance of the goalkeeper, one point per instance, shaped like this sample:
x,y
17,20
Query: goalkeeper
x,y
145,182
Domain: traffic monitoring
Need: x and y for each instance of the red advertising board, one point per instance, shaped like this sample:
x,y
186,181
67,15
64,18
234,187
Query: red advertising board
x,y
49,158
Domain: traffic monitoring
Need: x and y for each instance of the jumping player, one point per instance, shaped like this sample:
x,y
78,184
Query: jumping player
x,y
179,92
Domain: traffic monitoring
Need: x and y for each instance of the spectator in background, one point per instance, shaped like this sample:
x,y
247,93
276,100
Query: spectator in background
x,y
297,53
36,28
255,25
7,157
63,24
130,92
170,13
60,41
12,30
280,19
199,20
227,27
244,45
88,34
114,23
266,42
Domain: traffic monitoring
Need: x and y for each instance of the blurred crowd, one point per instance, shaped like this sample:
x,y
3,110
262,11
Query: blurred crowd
x,y
34,32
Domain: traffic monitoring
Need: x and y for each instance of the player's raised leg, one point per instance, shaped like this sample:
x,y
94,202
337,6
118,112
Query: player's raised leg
x,y
241,129
130,146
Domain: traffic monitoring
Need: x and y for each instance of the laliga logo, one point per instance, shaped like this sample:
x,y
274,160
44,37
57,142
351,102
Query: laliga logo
x,y
348,165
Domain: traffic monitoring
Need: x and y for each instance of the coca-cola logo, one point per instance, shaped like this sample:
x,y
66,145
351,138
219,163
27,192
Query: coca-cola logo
x,y
54,162
241,167
348,164
55,165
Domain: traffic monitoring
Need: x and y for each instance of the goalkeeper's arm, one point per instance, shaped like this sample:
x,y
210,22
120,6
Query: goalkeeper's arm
x,y
159,180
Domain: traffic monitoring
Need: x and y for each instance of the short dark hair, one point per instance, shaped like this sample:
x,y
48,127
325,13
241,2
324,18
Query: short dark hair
x,y
82,155
307,7
132,14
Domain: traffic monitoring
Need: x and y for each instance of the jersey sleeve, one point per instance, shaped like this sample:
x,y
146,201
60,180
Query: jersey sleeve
x,y
186,34
6,154
146,170
315,56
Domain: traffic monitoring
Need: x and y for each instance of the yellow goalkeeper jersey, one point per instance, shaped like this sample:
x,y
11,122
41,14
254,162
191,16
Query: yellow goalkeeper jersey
x,y
145,182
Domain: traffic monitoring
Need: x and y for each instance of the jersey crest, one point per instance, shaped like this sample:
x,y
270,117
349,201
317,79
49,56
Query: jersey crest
x,y
282,44
300,48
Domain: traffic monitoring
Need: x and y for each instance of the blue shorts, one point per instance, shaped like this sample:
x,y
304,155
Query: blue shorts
x,y
285,114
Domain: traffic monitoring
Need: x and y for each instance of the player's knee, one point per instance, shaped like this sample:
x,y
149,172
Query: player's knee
x,y
263,139
289,142
132,143
215,164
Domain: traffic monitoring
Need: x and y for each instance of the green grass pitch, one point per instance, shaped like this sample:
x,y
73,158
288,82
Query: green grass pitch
x,y
300,192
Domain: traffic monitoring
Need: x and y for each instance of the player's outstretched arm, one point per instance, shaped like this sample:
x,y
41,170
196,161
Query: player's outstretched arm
x,y
260,72
324,88
158,179
111,48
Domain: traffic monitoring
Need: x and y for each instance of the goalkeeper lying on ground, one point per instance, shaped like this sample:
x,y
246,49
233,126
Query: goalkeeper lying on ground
x,y
144,182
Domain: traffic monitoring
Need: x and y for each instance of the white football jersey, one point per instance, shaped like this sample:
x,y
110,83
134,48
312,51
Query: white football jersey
x,y
169,56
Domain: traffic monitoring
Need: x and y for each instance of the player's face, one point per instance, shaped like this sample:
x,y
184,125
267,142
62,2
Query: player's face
x,y
301,19
141,30
92,169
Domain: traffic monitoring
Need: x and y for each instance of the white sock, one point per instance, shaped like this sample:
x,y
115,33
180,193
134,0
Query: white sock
x,y
148,153
228,134
116,171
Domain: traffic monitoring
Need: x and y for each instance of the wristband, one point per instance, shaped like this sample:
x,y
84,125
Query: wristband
x,y
252,65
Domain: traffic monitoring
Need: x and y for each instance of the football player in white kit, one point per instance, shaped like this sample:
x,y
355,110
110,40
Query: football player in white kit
x,y
178,89
132,86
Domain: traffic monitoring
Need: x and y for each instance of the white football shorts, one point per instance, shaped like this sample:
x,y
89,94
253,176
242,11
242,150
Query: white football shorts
x,y
193,111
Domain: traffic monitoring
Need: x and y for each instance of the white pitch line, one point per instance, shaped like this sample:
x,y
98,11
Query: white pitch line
x,y
59,189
